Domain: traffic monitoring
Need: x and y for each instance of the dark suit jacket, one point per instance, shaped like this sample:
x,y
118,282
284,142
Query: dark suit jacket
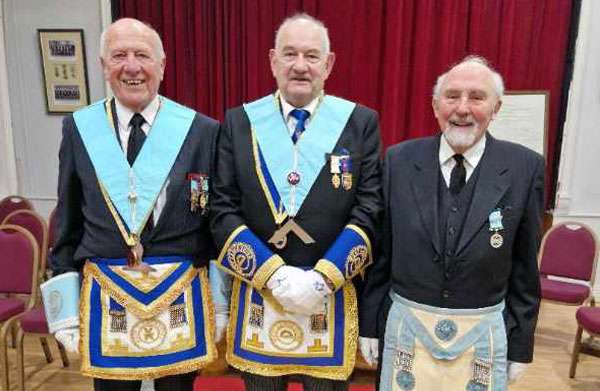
x,y
238,197
511,178
85,227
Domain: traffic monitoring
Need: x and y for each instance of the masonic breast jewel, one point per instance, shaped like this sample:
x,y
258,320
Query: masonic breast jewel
x,y
495,219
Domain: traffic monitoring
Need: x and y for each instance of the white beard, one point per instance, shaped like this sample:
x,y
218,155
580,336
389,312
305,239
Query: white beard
x,y
459,137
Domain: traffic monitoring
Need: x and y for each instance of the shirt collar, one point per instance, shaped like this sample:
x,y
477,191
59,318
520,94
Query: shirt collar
x,y
472,155
287,108
149,113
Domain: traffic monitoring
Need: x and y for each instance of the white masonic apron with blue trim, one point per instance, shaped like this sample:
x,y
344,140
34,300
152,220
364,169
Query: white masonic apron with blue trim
x,y
430,348
138,325
262,337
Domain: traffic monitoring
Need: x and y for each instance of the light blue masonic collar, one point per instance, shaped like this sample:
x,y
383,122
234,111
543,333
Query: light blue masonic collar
x,y
278,150
146,178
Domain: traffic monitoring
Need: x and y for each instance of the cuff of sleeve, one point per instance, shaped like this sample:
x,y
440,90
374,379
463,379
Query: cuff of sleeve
x,y
246,257
330,270
265,272
349,255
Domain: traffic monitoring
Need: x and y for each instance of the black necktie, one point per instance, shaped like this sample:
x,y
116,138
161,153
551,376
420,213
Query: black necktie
x,y
301,116
458,175
136,137
134,144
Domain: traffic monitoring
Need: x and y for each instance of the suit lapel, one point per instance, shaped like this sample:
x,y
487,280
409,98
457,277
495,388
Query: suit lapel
x,y
489,189
175,195
424,182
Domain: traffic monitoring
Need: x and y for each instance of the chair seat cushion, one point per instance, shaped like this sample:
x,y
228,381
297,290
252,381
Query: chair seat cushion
x,y
10,307
566,292
589,319
34,321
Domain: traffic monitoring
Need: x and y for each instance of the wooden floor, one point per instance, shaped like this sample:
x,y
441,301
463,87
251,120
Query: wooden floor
x,y
548,372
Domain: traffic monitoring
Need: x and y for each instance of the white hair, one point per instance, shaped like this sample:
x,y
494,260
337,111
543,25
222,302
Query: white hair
x,y
158,46
307,17
472,59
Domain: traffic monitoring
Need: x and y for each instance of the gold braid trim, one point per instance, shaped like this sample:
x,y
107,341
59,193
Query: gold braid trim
x,y
266,270
341,372
365,238
140,310
145,373
329,269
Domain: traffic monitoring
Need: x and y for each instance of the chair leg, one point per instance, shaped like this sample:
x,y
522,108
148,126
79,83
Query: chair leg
x,y
13,335
20,362
4,364
47,351
575,354
63,354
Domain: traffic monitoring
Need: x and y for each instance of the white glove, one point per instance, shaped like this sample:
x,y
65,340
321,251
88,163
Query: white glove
x,y
283,276
305,294
515,371
369,348
221,321
69,338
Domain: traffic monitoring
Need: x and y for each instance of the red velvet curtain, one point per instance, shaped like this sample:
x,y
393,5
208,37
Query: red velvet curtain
x,y
389,53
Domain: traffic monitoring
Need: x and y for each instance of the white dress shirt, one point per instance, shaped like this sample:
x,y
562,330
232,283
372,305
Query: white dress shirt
x,y
472,157
290,120
149,113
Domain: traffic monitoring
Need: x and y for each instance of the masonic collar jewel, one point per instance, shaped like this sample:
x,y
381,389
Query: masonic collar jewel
x,y
495,219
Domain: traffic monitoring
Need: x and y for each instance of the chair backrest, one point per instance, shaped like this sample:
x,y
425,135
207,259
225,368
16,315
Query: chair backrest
x,y
12,203
19,257
36,225
570,250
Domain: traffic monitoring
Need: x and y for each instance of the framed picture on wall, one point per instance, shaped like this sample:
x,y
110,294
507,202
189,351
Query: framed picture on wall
x,y
523,119
64,68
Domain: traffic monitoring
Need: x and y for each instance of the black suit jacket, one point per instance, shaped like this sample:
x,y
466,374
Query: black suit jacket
x,y
511,178
85,228
238,196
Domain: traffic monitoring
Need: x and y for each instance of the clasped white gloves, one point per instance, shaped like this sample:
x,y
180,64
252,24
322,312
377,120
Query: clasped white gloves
x,y
369,348
69,338
515,371
299,291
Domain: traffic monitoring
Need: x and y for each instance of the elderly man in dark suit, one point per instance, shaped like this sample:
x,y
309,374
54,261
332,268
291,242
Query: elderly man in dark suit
x,y
296,198
462,228
132,213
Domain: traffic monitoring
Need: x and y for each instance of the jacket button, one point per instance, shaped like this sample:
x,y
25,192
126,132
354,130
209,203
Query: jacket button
x,y
436,258
452,230
446,294
454,208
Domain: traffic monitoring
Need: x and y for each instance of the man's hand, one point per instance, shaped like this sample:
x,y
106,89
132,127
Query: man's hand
x,y
369,348
515,371
221,321
305,293
69,338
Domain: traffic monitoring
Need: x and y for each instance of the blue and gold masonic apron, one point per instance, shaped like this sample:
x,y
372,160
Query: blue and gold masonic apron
x,y
138,325
262,338
430,348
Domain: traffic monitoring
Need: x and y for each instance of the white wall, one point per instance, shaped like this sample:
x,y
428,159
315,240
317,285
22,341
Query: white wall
x,y
578,197
36,134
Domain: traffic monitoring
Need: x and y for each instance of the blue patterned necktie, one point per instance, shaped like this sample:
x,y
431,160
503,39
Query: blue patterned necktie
x,y
301,116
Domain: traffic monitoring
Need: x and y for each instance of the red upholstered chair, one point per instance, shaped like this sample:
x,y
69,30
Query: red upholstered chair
x,y
19,264
35,224
568,250
12,203
588,319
